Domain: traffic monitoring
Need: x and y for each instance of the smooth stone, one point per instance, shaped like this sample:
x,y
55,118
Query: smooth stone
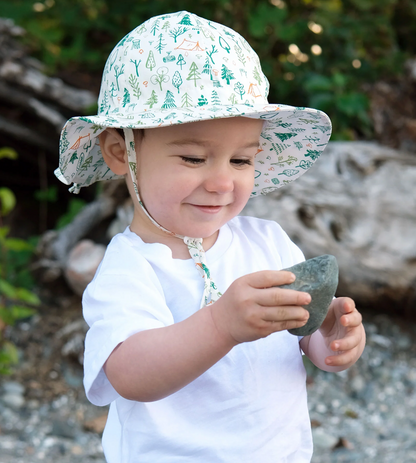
x,y
319,278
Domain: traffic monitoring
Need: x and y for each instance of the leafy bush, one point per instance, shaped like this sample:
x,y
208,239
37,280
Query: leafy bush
x,y
16,298
315,53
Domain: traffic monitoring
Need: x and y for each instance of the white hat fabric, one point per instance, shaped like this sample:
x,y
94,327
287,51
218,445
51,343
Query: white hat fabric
x,y
178,68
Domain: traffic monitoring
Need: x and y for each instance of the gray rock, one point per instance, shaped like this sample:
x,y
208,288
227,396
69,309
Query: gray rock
x,y
319,278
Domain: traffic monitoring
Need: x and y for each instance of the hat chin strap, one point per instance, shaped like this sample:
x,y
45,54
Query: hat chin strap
x,y
195,248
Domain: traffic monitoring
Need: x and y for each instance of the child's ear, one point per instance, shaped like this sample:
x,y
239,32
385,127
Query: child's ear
x,y
113,149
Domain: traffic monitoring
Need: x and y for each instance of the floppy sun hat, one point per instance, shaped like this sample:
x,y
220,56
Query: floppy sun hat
x,y
178,68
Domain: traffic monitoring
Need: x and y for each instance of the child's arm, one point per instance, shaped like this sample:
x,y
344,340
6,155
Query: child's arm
x,y
155,363
340,341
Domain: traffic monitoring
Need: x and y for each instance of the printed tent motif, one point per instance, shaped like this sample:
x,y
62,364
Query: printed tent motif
x,y
253,90
188,45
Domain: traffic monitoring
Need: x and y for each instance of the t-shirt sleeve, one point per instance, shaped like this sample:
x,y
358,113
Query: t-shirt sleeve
x,y
116,306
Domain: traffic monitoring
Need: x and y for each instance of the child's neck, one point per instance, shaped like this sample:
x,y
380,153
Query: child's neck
x,y
149,233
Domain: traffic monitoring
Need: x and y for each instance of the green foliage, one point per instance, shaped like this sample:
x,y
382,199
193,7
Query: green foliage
x,y
315,53
17,301
74,207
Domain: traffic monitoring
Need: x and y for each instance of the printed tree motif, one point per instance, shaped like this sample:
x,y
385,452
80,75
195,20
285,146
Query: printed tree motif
x,y
155,27
161,44
118,71
86,165
152,100
240,54
239,89
98,164
298,145
151,63
224,44
166,26
175,33
214,98
104,102
96,127
169,101
210,53
186,101
194,73
160,76
142,30
314,154
136,64
135,85
186,20
226,74
74,157
202,101
285,136
305,164
181,61
233,99
113,92
289,172
207,68
257,76
216,83
126,97
177,80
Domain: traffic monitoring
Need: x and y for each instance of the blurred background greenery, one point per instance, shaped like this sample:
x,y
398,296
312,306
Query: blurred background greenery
x,y
319,53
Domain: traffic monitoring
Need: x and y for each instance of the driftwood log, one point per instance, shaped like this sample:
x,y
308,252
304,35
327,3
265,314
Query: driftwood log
x,y
358,202
33,110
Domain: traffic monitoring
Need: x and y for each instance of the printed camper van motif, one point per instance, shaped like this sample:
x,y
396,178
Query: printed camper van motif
x,y
179,68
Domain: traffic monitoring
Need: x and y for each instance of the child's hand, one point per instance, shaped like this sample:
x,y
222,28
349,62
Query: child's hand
x,y
253,307
343,333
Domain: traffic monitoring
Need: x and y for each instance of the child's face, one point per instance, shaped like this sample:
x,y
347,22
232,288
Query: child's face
x,y
193,178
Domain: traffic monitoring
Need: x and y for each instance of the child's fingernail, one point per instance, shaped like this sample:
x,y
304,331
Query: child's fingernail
x,y
328,361
336,346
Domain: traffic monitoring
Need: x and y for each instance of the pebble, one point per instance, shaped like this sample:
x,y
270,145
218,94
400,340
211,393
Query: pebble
x,y
366,414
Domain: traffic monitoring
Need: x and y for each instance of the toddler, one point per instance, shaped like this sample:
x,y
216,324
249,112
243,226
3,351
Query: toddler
x,y
188,338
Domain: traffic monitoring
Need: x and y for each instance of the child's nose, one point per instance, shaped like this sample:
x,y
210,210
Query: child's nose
x,y
219,181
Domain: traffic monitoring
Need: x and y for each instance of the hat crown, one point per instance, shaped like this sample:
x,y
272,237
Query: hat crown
x,y
180,60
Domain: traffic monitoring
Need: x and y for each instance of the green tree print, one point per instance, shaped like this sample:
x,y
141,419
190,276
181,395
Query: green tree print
x,y
177,80
186,101
186,20
135,85
175,33
180,61
207,69
160,77
126,97
151,63
194,73
226,74
169,101
152,100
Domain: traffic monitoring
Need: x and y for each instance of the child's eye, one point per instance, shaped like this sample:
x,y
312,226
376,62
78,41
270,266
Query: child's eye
x,y
192,160
242,162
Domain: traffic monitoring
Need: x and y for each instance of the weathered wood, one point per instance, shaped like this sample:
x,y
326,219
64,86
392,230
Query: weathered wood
x,y
358,202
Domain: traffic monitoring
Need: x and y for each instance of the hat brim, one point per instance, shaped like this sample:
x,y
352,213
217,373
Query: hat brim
x,y
291,141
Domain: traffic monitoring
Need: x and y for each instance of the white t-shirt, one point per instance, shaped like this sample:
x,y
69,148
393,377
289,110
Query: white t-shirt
x,y
249,407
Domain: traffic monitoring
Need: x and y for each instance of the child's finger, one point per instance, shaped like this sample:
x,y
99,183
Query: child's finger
x,y
349,342
285,313
270,278
340,359
353,319
275,297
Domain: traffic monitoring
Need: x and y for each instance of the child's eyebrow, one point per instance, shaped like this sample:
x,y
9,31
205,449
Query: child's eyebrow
x,y
197,142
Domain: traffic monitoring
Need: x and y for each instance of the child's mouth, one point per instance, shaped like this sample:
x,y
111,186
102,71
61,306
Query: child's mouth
x,y
208,209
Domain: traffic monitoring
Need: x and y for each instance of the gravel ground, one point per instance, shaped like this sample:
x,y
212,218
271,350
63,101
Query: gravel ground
x,y
367,414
